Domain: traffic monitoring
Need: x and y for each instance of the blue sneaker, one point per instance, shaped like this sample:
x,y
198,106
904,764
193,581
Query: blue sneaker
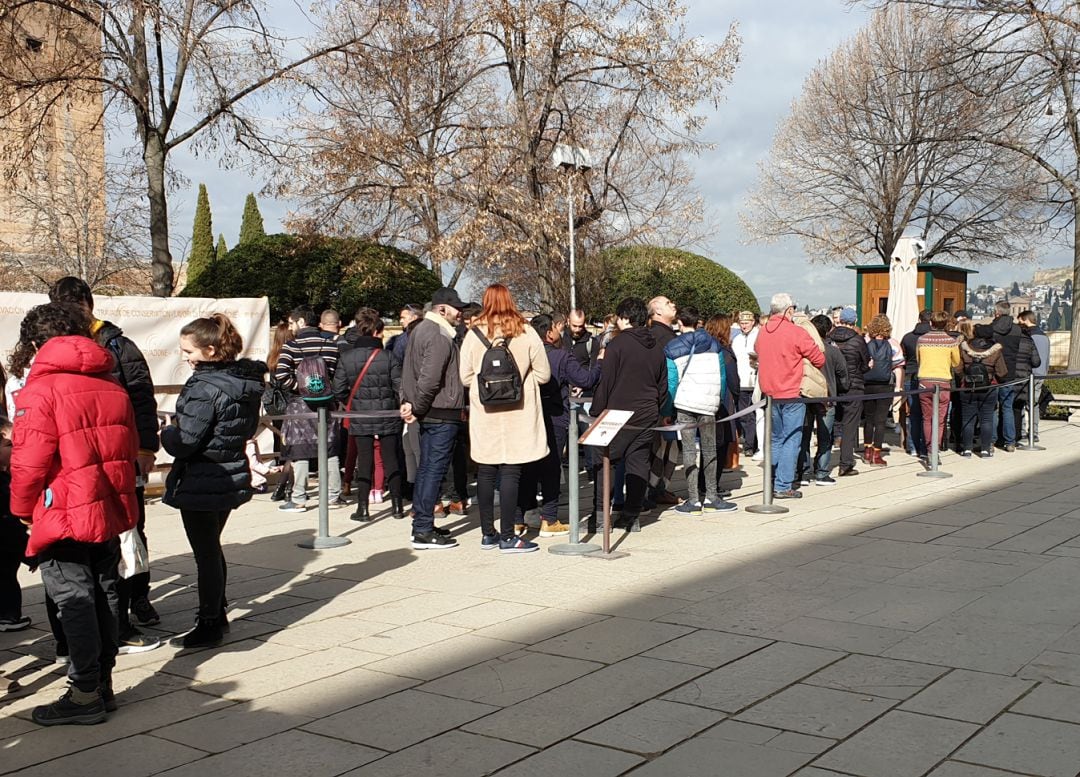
x,y
489,541
689,508
719,506
517,545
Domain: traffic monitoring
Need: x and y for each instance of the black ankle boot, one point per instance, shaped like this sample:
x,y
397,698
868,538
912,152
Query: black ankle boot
x,y
361,513
397,507
208,632
283,492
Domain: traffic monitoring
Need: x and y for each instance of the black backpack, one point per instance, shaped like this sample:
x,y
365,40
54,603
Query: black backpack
x,y
976,374
498,383
881,353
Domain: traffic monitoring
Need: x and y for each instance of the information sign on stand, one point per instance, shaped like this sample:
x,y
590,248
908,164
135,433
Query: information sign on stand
x,y
601,434
603,430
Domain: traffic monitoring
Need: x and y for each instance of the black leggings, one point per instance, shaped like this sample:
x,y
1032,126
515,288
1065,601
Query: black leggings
x,y
204,534
509,476
365,463
875,412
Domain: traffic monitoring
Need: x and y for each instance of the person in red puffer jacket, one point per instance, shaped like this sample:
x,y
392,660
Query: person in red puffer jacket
x,y
73,483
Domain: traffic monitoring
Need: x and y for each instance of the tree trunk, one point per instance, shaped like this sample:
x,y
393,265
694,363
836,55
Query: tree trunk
x,y
545,285
161,268
1074,336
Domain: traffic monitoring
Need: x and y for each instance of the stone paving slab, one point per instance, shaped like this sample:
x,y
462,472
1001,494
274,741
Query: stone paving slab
x,y
901,744
455,754
738,685
290,752
823,712
511,678
883,627
398,721
976,697
871,676
573,757
564,711
1028,745
652,727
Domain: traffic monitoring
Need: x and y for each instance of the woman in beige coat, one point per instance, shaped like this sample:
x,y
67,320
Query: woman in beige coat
x,y
505,438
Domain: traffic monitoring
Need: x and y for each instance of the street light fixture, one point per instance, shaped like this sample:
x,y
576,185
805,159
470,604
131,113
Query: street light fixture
x,y
571,159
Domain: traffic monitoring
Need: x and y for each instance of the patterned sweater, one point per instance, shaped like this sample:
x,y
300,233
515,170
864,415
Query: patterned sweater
x,y
939,355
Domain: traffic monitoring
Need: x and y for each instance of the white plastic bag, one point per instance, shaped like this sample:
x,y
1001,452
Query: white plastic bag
x,y
134,559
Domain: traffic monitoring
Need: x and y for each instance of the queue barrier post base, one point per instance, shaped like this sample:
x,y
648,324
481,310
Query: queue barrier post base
x,y
614,555
938,474
574,549
322,543
766,509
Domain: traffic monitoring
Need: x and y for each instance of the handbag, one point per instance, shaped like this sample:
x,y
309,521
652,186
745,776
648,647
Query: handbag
x,y
275,398
134,559
359,379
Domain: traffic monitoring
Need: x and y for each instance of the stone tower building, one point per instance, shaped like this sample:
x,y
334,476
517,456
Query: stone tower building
x,y
52,145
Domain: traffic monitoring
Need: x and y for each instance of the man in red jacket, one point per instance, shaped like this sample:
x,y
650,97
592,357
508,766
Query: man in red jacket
x,y
73,483
781,348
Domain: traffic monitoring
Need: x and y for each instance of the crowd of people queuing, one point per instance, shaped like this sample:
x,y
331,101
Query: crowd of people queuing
x,y
461,383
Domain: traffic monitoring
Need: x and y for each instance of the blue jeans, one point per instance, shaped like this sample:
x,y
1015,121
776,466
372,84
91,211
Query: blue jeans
x,y
436,448
916,439
787,423
818,425
1006,398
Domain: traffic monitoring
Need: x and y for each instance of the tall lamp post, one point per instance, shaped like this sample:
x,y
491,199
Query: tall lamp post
x,y
572,159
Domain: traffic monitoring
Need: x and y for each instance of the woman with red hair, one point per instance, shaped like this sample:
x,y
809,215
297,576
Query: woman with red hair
x,y
506,429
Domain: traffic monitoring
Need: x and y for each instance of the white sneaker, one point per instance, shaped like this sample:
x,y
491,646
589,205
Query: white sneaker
x,y
375,497
759,456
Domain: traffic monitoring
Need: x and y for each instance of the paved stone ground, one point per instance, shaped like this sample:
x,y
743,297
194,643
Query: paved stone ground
x,y
891,626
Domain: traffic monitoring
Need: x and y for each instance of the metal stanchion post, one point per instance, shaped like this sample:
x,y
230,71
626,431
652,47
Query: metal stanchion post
x,y
935,443
1030,444
767,507
607,501
324,540
575,547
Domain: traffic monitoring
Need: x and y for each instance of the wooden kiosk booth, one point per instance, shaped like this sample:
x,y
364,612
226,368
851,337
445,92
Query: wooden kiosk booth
x,y
940,287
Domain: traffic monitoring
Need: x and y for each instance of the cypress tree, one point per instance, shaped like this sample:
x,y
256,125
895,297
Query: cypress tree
x,y
251,227
1053,322
222,249
201,255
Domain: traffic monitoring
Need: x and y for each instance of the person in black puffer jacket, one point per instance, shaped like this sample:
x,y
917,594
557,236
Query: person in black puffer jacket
x,y
380,389
857,356
217,412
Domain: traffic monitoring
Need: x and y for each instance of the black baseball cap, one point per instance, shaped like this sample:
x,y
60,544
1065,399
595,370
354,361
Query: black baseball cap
x,y
961,314
446,296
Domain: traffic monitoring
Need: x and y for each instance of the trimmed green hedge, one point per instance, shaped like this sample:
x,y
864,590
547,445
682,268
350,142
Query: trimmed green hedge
x,y
649,271
323,272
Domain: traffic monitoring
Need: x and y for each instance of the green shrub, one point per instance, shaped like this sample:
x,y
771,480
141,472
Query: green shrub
x,y
649,271
323,272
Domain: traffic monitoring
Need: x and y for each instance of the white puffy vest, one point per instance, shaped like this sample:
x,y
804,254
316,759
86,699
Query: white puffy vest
x,y
700,383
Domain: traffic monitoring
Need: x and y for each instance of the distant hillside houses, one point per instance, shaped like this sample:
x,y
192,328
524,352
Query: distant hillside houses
x,y
1048,294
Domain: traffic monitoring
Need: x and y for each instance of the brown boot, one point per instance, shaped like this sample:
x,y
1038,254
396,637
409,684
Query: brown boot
x,y
868,454
876,459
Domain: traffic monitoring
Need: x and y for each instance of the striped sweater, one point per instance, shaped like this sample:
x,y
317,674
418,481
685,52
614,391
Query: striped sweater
x,y
309,341
938,354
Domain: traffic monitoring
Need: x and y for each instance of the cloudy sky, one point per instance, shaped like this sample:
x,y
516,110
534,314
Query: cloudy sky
x,y
782,41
